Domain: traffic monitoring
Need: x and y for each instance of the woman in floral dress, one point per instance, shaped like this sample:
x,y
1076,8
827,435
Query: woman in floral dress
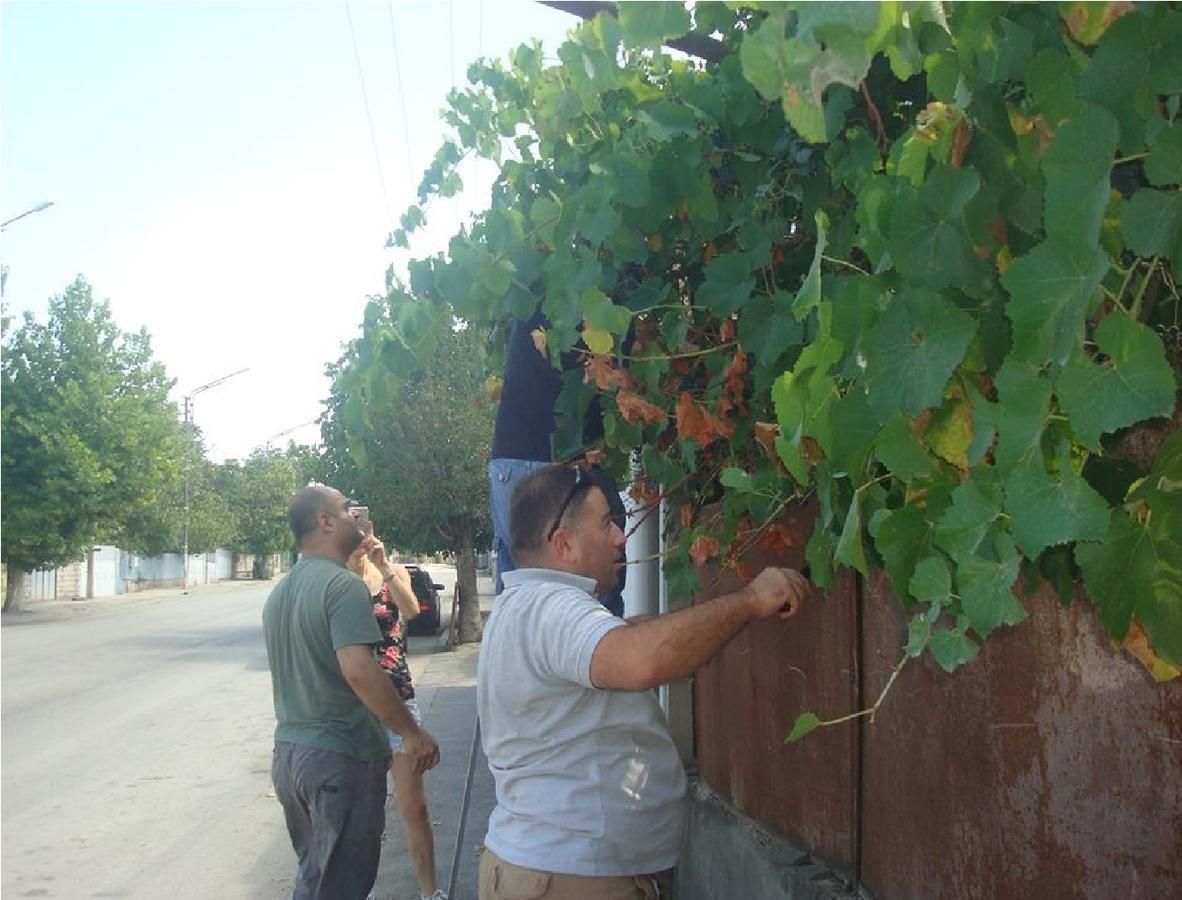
x,y
394,604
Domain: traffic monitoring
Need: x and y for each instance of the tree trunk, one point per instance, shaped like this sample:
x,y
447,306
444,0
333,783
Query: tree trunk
x,y
14,595
471,626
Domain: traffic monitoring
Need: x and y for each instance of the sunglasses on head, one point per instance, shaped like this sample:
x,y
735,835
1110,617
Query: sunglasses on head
x,y
582,480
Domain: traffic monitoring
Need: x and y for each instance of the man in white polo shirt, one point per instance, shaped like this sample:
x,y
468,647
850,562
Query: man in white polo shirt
x,y
590,789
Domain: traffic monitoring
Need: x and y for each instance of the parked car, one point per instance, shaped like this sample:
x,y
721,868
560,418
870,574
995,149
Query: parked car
x,y
427,593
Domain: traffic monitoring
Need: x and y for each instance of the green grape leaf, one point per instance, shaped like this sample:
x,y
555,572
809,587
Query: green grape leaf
x,y
919,631
1151,222
1137,569
652,24
737,480
763,55
1119,68
1077,166
1163,167
544,214
809,295
897,448
797,70
1050,289
986,588
976,505
818,553
952,648
601,313
848,441
931,582
767,328
1045,511
912,350
899,537
851,549
728,283
1165,64
805,723
1051,79
929,240
665,121
1022,411
1135,382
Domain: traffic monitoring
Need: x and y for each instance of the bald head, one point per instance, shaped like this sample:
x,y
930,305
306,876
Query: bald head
x,y
303,513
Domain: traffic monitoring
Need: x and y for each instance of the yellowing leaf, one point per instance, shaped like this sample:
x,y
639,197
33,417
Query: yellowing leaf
x,y
951,430
1137,643
597,340
539,338
1087,22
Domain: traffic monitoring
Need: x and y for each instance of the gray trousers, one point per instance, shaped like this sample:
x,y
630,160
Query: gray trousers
x,y
335,807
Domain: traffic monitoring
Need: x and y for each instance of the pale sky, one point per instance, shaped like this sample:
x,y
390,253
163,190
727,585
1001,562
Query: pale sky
x,y
214,178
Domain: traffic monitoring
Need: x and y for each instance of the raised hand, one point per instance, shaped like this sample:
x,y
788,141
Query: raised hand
x,y
777,590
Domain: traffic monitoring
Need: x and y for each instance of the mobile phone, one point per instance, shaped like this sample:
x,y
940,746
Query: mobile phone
x,y
361,514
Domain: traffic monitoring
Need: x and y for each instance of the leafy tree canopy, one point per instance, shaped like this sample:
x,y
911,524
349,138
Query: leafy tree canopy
x,y
257,492
415,449
91,442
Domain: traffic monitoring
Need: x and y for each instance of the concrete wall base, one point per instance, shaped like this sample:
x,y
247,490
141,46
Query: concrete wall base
x,y
727,855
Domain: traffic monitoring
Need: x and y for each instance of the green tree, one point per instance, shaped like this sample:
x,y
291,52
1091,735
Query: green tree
x,y
158,527
257,492
90,439
416,448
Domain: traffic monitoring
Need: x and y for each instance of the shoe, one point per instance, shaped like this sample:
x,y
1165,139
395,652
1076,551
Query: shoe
x,y
440,894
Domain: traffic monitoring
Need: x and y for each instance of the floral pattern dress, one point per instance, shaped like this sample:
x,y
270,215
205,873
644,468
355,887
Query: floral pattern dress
x,y
391,652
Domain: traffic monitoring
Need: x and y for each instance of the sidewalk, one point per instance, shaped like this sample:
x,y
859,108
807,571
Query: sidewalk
x,y
445,688
48,610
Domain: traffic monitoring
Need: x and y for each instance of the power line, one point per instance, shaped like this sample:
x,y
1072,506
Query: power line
x,y
377,157
451,40
410,169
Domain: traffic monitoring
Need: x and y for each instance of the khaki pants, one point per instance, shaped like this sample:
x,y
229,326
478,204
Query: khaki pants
x,y
500,880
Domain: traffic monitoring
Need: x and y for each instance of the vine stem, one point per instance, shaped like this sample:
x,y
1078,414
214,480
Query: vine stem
x,y
681,355
844,262
756,534
1124,284
875,115
1135,311
870,710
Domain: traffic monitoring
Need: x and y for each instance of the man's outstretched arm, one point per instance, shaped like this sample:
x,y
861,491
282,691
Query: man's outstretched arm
x,y
664,648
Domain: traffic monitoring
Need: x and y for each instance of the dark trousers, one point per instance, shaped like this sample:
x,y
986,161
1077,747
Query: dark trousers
x,y
335,807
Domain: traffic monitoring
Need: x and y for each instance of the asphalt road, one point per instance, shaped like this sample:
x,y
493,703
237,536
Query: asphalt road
x,y
135,736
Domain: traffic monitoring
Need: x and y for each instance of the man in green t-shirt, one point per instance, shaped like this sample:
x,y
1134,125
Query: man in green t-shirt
x,y
331,701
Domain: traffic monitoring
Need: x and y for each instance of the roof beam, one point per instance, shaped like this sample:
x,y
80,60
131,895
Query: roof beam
x,y
698,45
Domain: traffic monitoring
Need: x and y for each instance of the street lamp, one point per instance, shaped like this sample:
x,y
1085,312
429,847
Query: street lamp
x,y
188,426
287,431
28,212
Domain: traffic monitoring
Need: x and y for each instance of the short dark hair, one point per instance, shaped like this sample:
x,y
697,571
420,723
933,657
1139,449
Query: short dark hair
x,y
537,502
305,508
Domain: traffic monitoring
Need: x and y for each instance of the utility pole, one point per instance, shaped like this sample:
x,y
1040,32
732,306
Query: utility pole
x,y
188,414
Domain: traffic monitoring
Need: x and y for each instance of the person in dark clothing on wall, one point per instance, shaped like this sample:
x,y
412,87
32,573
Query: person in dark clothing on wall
x,y
522,436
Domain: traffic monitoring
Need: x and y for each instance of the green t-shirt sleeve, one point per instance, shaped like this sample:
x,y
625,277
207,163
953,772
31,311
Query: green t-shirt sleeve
x,y
350,613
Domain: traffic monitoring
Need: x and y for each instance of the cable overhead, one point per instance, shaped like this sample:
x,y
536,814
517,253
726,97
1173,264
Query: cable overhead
x,y
377,157
410,168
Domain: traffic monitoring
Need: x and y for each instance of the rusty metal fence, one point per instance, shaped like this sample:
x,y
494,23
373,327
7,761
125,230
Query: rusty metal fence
x,y
1051,766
